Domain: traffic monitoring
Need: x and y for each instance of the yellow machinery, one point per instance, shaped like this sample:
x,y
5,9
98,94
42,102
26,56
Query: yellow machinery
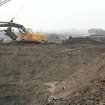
x,y
33,37
26,34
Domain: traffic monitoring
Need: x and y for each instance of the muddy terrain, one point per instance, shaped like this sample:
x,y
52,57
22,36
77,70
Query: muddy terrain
x,y
52,74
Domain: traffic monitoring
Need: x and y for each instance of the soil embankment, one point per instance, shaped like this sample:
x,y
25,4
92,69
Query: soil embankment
x,y
70,73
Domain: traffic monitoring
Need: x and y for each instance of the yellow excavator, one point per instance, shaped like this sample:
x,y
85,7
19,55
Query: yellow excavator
x,y
25,34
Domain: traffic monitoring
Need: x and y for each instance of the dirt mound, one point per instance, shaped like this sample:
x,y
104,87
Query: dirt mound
x,y
58,74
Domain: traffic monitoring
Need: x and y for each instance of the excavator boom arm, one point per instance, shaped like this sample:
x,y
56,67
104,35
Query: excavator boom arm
x,y
10,25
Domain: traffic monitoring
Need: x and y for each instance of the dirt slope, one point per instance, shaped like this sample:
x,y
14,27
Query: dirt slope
x,y
32,74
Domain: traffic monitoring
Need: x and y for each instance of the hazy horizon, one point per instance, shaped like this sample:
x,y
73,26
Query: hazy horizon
x,y
50,15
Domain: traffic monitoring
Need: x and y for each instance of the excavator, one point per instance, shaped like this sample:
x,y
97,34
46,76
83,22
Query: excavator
x,y
25,35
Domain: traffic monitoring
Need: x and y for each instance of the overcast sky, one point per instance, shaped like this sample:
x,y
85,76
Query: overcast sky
x,y
46,15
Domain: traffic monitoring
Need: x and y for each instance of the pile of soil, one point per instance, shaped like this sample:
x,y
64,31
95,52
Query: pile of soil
x,y
56,74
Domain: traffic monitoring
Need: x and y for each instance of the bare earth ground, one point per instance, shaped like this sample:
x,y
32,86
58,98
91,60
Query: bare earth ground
x,y
53,74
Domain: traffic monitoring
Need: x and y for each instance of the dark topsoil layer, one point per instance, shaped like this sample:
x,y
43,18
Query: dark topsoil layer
x,y
25,68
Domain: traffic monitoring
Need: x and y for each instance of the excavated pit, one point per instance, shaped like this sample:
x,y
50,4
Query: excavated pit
x,y
71,73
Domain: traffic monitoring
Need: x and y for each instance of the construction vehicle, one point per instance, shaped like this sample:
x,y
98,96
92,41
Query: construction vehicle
x,y
25,35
